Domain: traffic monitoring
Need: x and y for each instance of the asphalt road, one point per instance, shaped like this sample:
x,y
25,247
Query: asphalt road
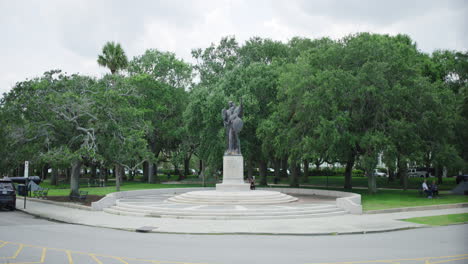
x,y
25,239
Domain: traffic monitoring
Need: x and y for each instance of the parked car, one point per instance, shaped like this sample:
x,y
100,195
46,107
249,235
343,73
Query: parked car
x,y
420,172
7,194
461,178
379,173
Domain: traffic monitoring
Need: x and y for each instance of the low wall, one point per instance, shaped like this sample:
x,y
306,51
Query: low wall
x,y
344,200
350,202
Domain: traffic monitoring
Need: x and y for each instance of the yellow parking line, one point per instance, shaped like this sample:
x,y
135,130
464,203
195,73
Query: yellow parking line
x,y
96,259
37,262
426,259
70,259
447,260
162,261
44,250
121,260
16,253
3,244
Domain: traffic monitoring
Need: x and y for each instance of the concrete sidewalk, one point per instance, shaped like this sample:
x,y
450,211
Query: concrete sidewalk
x,y
344,224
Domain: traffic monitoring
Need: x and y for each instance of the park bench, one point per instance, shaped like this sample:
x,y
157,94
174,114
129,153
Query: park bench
x,y
41,193
80,196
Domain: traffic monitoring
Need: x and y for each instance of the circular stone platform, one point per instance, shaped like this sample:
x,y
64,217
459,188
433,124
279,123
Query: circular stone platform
x,y
236,198
160,205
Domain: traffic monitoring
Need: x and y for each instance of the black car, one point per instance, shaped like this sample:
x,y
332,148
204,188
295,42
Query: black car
x,y
7,194
461,178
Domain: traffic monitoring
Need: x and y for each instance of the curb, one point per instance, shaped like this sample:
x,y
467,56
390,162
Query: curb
x,y
64,204
417,208
154,231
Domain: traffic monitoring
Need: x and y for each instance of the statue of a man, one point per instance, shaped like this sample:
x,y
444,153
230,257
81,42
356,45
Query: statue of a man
x,y
233,124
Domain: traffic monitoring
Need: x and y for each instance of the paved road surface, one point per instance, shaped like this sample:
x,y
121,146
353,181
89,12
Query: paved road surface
x,y
25,239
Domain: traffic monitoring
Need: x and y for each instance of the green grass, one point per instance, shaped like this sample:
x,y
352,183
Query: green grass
x,y
387,199
384,199
440,220
64,189
382,182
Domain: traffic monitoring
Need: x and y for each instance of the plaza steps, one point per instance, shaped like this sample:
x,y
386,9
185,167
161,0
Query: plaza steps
x,y
269,212
232,198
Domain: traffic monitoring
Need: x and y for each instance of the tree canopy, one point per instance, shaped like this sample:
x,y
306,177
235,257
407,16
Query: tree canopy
x,y
306,101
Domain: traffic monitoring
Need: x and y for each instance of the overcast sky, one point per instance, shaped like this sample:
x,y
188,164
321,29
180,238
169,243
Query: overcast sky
x,y
37,36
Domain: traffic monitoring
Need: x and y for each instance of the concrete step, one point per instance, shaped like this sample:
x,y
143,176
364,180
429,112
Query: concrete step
x,y
263,217
224,198
223,214
166,207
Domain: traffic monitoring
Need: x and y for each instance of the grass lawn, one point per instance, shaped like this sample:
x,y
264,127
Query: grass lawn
x,y
64,189
386,199
382,182
440,220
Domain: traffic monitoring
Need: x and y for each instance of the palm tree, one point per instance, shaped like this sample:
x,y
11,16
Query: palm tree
x,y
113,57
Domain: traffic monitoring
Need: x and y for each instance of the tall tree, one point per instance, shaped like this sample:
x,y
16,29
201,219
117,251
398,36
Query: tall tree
x,y
113,57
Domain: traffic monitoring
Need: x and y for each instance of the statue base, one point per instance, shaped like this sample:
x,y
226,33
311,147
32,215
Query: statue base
x,y
233,175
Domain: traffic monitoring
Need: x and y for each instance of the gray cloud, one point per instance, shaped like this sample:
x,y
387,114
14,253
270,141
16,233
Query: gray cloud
x,y
43,35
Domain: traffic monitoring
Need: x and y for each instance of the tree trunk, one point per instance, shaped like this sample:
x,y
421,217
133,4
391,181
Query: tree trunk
x,y
151,174
131,175
68,172
44,171
277,166
305,177
118,176
93,171
262,164
122,174
391,175
201,175
75,177
439,173
294,178
284,168
250,168
403,174
186,167
54,178
200,167
106,175
145,172
371,181
348,172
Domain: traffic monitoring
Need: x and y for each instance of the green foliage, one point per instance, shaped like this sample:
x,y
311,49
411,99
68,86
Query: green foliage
x,y
113,57
344,101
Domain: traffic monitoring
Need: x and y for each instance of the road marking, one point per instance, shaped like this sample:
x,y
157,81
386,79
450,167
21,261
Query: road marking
x,y
70,259
69,254
425,259
121,260
44,250
96,259
16,253
444,261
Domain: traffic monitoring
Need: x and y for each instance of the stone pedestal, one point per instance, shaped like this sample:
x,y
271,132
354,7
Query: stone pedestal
x,y
233,175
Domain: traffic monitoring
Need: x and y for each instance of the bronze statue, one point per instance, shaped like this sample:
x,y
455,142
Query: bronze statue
x,y
233,124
